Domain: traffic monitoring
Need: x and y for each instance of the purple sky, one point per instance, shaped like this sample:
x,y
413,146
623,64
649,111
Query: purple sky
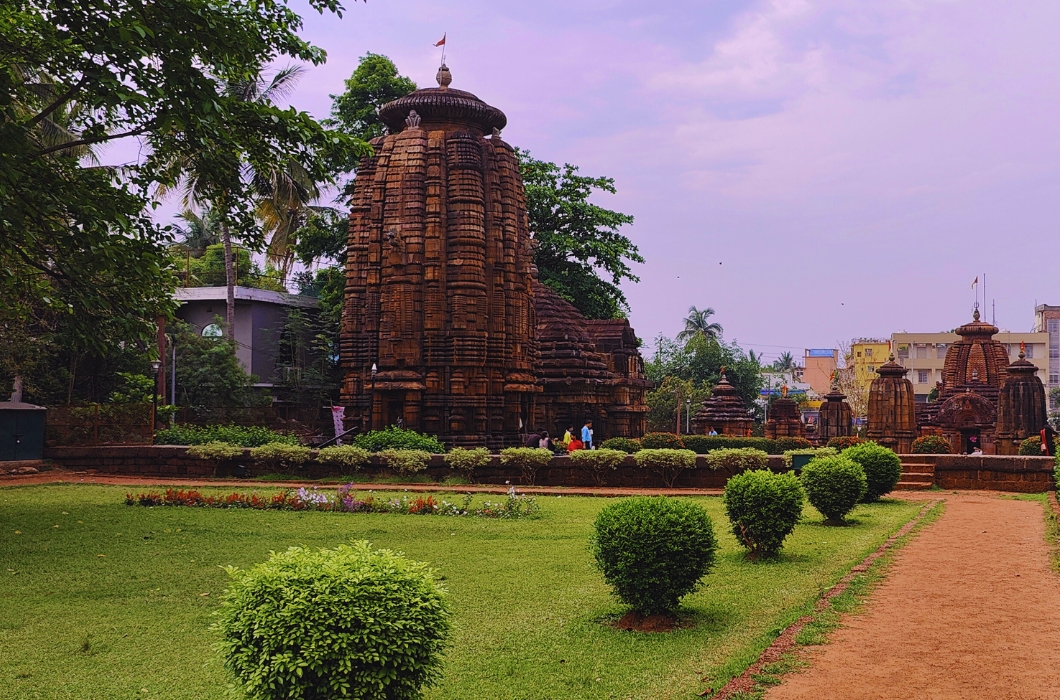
x,y
852,165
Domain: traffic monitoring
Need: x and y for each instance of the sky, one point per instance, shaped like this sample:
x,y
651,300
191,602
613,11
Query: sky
x,y
812,171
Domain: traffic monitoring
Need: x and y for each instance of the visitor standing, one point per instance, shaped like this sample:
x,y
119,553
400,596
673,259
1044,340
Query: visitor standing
x,y
1048,436
587,435
713,433
544,441
574,445
568,436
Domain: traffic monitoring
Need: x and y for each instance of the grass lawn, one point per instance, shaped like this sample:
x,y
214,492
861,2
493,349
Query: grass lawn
x,y
99,600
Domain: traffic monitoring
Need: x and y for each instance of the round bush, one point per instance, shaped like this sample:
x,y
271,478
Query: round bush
x,y
834,485
395,438
1031,447
783,444
843,442
661,441
653,550
668,464
348,458
334,623
882,468
763,508
931,445
737,459
627,445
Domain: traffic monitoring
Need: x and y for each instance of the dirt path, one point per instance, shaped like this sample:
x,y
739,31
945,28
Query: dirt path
x,y
58,476
970,609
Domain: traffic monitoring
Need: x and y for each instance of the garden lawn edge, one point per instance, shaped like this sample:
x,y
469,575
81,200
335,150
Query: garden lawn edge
x,y
786,641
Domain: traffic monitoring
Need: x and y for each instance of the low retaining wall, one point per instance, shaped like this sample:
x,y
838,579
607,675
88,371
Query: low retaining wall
x,y
993,472
171,461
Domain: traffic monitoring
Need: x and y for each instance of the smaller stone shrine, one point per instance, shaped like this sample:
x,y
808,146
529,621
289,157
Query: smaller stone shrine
x,y
892,408
723,411
785,419
1021,406
835,417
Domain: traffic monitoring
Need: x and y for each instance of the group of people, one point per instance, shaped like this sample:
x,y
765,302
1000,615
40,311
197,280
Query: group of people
x,y
570,441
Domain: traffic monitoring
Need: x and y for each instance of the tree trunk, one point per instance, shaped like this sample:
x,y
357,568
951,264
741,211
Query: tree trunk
x,y
230,277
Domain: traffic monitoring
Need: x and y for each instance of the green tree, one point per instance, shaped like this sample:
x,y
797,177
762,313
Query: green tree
x,y
576,239
784,363
75,239
697,323
209,374
374,82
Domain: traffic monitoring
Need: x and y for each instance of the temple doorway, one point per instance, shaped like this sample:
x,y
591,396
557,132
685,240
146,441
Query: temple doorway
x,y
970,440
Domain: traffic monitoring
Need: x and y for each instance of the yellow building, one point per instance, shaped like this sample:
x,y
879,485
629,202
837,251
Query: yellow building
x,y
866,354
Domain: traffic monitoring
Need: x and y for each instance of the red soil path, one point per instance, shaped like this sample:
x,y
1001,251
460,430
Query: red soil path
x,y
969,609
58,476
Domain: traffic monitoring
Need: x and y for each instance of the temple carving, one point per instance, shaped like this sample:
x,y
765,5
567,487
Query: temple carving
x,y
983,401
445,328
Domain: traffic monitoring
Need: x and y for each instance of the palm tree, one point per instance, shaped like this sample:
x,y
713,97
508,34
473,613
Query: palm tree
x,y
784,363
697,323
197,180
198,230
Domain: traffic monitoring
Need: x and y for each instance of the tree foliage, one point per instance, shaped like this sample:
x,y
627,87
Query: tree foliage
x,y
374,82
578,241
697,323
76,240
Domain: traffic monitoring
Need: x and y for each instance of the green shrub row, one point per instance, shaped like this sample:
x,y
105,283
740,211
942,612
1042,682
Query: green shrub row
x,y
395,438
704,444
241,435
931,445
627,445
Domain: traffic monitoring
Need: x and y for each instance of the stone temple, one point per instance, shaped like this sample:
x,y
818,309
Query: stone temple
x,y
445,328
983,400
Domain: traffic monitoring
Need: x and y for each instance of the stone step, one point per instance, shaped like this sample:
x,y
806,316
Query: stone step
x,y
928,477
913,485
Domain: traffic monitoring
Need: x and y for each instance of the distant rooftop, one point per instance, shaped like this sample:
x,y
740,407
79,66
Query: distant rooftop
x,y
266,296
821,352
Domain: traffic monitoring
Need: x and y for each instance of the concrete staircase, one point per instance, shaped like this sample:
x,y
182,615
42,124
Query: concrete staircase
x,y
918,473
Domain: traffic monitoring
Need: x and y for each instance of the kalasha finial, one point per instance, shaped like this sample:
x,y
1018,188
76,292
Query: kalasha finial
x,y
784,391
413,120
1023,349
444,77
975,314
890,358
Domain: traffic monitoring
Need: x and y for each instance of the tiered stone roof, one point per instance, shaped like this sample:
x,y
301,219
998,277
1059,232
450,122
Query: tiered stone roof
x,y
724,411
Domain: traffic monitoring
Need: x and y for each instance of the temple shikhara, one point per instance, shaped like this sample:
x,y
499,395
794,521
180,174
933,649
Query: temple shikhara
x,y
445,328
983,401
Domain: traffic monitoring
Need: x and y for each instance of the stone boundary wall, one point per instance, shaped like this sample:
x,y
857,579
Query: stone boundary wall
x,y
991,472
1000,473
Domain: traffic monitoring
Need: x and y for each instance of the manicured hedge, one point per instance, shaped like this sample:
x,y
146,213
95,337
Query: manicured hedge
x,y
662,441
702,444
627,445
241,435
931,445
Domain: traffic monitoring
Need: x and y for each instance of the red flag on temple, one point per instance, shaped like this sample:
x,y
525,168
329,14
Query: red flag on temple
x,y
442,42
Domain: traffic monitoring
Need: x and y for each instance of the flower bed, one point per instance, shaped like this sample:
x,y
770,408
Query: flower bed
x,y
345,500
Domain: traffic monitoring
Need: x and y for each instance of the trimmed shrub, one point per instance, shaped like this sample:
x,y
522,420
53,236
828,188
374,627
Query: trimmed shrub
x,y
931,445
737,459
841,443
763,508
216,450
661,441
1031,447
395,438
527,459
348,458
281,455
703,444
668,464
783,444
815,451
834,485
882,468
627,445
350,622
653,551
405,461
241,435
467,460
598,462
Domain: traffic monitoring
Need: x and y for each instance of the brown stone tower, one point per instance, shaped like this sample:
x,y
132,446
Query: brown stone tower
x,y
784,418
438,320
835,416
1021,408
723,411
892,411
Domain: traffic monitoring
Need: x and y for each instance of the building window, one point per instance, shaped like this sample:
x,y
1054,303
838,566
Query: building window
x,y
868,352
1054,379
1030,351
921,352
922,376
871,368
212,331
1053,325
940,351
903,350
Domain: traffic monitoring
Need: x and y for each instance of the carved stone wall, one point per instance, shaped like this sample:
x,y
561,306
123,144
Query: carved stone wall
x,y
784,420
892,410
835,417
723,411
1021,407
